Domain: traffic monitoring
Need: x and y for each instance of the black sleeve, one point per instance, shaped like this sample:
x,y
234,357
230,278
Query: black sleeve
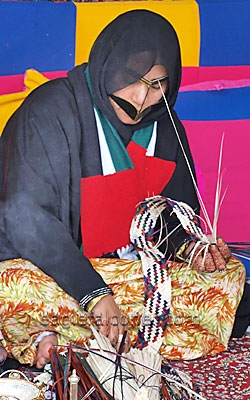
x,y
40,196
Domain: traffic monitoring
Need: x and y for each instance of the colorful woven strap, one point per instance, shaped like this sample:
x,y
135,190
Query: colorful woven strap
x,y
188,219
157,282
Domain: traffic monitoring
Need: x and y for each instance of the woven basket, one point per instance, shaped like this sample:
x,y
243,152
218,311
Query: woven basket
x,y
16,388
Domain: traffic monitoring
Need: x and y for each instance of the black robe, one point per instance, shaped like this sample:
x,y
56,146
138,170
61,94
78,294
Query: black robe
x,y
51,142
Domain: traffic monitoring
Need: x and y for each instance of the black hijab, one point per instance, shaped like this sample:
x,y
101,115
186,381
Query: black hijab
x,y
125,51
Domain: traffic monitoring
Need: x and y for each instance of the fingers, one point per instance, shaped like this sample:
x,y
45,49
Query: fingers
x,y
218,258
204,263
210,265
43,350
220,253
124,343
104,327
224,249
111,322
115,332
210,259
41,362
198,263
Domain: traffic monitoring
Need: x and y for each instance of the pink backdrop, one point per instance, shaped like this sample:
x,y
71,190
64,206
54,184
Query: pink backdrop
x,y
205,138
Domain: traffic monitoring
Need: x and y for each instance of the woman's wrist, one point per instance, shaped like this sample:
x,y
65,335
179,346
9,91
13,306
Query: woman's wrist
x,y
188,249
89,307
84,302
185,249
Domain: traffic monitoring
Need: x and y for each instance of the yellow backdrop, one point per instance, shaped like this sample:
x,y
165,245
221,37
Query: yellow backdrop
x,y
182,14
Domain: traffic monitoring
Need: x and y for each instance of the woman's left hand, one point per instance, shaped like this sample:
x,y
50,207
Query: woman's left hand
x,y
216,258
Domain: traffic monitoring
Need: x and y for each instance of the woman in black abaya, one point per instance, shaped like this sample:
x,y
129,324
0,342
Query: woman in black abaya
x,y
79,155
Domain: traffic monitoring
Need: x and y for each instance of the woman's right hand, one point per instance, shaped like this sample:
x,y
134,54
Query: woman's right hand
x,y
109,320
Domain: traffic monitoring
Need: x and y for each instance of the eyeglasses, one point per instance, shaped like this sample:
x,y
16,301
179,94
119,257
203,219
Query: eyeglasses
x,y
130,109
154,83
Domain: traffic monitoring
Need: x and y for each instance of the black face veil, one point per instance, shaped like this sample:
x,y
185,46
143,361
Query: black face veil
x,y
126,50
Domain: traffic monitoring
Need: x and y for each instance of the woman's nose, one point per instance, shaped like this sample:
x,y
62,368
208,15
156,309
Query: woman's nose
x,y
140,93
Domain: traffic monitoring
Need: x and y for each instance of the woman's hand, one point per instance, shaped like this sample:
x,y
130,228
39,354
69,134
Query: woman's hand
x,y
216,257
110,322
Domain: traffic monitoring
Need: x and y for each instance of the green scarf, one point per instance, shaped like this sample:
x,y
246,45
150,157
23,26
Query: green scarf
x,y
118,152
